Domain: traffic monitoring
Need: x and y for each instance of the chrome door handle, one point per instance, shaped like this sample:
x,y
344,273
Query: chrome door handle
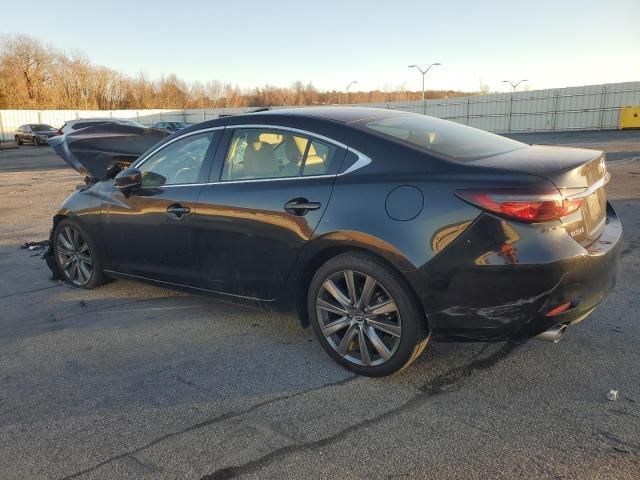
x,y
177,211
300,206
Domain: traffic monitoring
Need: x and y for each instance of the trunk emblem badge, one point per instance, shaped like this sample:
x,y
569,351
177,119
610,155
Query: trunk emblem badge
x,y
577,231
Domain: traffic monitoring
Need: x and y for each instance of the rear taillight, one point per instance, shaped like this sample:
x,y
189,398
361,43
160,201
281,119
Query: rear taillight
x,y
59,132
524,206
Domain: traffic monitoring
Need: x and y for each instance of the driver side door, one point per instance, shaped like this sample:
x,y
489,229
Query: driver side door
x,y
149,232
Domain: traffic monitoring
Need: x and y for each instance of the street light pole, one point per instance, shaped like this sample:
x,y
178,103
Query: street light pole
x,y
349,86
424,73
514,85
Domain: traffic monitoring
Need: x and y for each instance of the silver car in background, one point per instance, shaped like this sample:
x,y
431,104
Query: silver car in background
x,y
34,133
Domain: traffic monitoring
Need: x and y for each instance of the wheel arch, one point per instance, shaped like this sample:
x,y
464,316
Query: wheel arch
x,y
309,265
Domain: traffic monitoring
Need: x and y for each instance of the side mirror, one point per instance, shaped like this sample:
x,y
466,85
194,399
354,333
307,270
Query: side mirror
x,y
129,179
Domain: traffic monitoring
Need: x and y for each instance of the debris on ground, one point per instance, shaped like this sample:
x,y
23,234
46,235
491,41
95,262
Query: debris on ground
x,y
35,245
612,395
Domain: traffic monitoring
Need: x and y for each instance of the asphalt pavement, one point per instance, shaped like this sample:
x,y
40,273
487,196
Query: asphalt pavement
x,y
130,381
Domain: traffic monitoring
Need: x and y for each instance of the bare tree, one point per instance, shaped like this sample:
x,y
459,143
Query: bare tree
x,y
33,75
27,59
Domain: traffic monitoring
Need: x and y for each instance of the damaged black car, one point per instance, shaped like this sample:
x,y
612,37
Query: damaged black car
x,y
380,229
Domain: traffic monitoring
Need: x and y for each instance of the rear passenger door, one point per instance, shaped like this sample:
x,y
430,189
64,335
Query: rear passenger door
x,y
267,193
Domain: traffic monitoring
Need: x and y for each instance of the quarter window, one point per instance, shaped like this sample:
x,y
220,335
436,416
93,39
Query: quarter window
x,y
178,163
260,154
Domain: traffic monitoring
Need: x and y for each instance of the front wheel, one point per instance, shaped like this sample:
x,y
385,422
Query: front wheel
x,y
76,257
35,141
365,316
18,140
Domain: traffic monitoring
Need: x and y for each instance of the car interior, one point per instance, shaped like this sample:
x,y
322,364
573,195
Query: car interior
x,y
258,154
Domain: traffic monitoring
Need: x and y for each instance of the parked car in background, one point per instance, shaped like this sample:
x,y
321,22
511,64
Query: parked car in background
x,y
34,133
170,126
72,125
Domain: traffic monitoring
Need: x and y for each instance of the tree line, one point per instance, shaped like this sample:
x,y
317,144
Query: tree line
x,y
38,76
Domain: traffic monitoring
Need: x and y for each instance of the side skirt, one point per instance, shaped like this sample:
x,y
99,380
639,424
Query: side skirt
x,y
271,305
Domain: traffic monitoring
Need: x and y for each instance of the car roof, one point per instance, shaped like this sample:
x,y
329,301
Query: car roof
x,y
333,113
329,114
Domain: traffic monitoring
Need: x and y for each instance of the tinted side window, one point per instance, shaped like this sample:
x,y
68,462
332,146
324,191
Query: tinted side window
x,y
255,153
260,154
178,163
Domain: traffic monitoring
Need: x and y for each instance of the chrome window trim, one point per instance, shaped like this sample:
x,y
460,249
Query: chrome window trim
x,y
362,161
249,180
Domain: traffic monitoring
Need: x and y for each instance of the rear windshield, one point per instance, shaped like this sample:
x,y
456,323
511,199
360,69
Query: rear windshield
x,y
41,128
449,139
80,125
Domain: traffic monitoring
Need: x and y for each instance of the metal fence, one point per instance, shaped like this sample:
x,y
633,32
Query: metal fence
x,y
591,107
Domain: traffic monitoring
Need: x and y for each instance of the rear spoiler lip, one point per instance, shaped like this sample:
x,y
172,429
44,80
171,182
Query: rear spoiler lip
x,y
590,189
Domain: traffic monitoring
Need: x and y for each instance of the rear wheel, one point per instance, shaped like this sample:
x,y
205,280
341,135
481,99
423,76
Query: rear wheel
x,y
75,256
365,316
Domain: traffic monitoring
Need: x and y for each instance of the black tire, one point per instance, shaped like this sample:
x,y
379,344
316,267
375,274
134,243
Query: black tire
x,y
96,276
35,141
18,141
407,335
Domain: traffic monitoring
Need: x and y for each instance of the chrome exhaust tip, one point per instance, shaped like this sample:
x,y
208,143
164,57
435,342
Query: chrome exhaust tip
x,y
553,335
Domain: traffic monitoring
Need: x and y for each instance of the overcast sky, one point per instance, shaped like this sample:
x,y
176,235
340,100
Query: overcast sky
x,y
329,43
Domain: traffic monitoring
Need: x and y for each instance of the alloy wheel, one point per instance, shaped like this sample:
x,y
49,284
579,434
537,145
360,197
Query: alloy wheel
x,y
74,256
359,318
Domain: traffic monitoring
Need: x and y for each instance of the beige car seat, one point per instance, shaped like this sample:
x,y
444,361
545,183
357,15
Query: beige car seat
x,y
260,160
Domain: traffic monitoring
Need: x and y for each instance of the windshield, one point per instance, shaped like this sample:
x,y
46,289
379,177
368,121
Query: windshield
x,y
443,137
41,128
178,124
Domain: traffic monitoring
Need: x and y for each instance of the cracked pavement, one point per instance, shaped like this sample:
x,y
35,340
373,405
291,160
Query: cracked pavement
x,y
133,381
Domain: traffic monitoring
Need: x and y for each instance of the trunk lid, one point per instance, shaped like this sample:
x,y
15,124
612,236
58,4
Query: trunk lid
x,y
575,172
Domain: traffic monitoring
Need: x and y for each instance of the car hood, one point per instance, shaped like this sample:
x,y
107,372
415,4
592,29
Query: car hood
x,y
91,150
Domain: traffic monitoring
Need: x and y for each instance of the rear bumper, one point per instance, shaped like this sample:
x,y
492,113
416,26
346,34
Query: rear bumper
x,y
499,279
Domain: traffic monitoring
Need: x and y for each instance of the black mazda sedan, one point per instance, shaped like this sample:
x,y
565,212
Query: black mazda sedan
x,y
380,229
